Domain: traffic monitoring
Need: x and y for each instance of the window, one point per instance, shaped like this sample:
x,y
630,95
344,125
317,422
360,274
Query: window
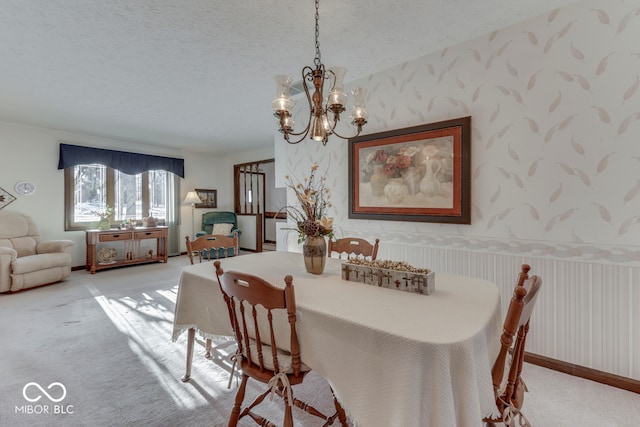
x,y
89,189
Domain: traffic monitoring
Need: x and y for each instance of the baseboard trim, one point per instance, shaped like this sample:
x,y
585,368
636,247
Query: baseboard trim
x,y
584,372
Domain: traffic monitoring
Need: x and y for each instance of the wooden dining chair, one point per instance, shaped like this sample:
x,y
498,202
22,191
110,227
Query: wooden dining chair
x,y
209,247
212,246
507,384
351,246
259,356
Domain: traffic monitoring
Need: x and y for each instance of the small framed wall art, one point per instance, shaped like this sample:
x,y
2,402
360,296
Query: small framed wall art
x,y
5,198
209,198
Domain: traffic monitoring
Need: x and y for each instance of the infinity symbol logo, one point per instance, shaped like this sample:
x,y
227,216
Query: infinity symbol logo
x,y
36,385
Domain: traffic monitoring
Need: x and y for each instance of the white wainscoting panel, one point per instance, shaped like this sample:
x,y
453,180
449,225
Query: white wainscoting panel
x,y
587,314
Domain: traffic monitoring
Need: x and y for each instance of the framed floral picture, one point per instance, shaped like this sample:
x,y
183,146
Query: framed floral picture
x,y
421,173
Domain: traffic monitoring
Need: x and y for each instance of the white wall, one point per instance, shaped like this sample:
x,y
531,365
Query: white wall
x,y
208,172
555,112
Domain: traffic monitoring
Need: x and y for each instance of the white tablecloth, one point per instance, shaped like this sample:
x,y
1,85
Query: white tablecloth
x,y
393,358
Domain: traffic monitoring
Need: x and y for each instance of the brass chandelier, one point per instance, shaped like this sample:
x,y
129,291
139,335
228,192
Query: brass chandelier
x,y
320,125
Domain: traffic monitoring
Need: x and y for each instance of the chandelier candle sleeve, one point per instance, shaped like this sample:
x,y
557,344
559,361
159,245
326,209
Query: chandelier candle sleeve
x,y
337,97
283,102
359,113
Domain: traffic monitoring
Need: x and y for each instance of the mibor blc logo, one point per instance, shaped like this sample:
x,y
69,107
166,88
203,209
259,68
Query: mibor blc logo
x,y
54,392
37,397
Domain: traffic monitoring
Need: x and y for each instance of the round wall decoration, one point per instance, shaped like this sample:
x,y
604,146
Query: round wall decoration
x,y
24,188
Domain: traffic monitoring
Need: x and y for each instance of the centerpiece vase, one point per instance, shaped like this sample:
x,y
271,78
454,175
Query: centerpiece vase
x,y
314,250
104,224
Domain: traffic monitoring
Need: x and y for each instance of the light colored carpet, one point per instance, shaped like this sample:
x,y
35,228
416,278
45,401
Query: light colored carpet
x,y
107,339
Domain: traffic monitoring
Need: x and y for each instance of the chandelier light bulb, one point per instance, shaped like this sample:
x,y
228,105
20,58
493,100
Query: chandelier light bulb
x,y
288,123
318,132
327,124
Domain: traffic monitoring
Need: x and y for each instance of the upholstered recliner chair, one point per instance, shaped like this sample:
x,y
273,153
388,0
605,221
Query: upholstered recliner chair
x,y
226,222
27,261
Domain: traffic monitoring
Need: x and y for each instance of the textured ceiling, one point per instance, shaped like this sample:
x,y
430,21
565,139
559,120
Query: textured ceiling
x,y
198,74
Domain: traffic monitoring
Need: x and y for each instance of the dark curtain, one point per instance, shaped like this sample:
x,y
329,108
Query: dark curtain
x,y
129,163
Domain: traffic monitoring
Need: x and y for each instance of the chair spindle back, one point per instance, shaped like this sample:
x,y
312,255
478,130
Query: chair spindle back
x,y
350,246
209,245
252,302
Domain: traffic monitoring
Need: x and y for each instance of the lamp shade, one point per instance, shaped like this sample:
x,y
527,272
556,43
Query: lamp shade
x,y
192,197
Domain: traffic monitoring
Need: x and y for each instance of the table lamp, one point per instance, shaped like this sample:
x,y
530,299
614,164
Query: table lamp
x,y
191,199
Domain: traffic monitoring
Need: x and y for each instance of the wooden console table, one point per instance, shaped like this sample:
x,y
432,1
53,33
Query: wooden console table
x,y
131,254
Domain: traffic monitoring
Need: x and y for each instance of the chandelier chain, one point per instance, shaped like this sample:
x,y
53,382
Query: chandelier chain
x,y
317,60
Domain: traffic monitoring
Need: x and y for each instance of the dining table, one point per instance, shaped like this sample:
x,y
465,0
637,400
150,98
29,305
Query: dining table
x,y
392,358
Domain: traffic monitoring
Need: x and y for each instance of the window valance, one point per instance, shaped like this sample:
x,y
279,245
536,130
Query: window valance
x,y
129,163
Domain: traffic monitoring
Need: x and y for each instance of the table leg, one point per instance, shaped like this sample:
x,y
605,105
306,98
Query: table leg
x,y
207,347
191,335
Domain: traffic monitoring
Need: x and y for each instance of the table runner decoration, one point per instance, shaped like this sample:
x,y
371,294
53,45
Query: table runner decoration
x,y
389,274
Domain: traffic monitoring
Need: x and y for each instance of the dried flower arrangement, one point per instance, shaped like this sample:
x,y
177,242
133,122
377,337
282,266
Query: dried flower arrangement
x,y
313,196
389,265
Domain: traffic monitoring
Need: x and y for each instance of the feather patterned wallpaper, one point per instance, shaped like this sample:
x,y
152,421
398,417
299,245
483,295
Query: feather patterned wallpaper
x,y
555,107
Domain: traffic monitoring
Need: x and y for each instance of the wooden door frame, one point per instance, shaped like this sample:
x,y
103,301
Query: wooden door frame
x,y
237,172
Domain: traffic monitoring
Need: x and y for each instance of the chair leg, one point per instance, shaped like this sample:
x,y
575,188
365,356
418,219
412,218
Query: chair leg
x,y
301,405
235,413
340,414
288,415
342,417
207,347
